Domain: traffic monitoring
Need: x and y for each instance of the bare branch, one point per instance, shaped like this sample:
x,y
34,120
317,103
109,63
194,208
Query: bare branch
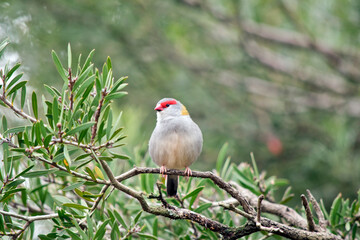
x,y
309,216
319,213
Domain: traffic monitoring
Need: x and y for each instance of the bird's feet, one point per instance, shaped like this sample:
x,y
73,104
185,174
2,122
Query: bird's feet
x,y
188,171
163,171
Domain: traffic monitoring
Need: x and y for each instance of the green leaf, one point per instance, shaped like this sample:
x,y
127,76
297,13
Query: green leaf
x,y
23,97
34,105
155,227
2,228
221,157
101,231
194,192
4,124
53,91
142,235
115,96
91,174
335,210
39,173
75,205
24,171
120,219
137,217
3,45
55,111
80,128
90,226
15,130
256,171
72,234
69,56
14,80
203,207
85,155
88,60
59,66
85,88
83,76
12,70
14,183
73,186
16,87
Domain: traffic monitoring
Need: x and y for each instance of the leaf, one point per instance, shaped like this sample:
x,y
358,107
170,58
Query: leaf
x,y
101,231
14,80
335,209
91,174
75,205
256,171
15,130
3,45
80,128
85,155
203,207
16,87
55,111
90,226
194,192
142,235
12,70
14,183
34,105
59,66
99,172
120,219
24,171
39,173
86,87
23,97
83,76
115,96
53,91
88,60
4,124
72,234
221,157
73,186
69,56
137,217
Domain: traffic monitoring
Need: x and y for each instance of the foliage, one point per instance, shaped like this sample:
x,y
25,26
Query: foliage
x,y
298,108
53,167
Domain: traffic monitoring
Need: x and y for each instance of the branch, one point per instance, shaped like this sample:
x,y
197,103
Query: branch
x,y
216,179
16,110
309,216
28,220
319,213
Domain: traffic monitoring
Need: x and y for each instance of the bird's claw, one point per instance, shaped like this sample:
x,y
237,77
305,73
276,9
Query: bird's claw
x,y
188,172
163,171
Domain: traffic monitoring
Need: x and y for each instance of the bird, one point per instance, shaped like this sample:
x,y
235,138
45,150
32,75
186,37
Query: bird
x,y
176,141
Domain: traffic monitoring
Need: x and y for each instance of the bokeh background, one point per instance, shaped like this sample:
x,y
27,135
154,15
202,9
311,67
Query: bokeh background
x,y
276,78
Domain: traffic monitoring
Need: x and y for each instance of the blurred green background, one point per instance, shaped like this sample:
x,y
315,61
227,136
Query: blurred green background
x,y
277,78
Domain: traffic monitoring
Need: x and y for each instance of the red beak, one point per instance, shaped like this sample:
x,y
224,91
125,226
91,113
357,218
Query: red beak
x,y
158,108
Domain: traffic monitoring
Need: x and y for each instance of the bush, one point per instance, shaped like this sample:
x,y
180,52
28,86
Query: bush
x,y
64,163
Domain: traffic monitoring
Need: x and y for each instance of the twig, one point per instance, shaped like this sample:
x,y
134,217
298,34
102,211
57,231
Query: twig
x,y
319,213
309,216
260,199
97,114
16,110
28,220
216,179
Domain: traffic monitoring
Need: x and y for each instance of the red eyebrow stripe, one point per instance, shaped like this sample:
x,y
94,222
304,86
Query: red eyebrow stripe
x,y
170,102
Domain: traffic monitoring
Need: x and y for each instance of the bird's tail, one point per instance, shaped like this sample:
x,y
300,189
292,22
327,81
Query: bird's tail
x,y
172,185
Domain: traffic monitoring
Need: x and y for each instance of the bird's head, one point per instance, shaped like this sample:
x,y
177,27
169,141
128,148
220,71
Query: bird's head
x,y
170,107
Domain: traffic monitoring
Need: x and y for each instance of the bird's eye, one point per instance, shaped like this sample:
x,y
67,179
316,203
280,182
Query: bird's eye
x,y
167,105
